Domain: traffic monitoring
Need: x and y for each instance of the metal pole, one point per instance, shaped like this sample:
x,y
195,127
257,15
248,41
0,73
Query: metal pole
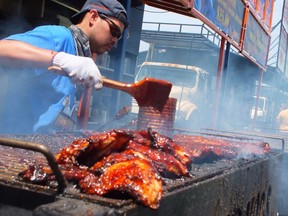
x,y
218,82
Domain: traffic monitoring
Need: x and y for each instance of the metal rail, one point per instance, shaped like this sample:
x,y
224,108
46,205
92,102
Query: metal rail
x,y
61,180
198,33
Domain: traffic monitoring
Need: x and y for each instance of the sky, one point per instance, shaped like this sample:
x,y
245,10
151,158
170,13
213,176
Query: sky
x,y
152,14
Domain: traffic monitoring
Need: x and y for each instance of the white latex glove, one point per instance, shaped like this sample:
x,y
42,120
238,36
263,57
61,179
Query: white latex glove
x,y
82,70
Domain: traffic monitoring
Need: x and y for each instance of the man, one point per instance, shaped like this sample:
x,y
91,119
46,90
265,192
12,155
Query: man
x,y
36,95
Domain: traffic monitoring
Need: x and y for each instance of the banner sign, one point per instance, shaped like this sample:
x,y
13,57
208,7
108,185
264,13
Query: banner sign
x,y
256,42
282,50
252,4
285,15
263,9
227,15
268,13
286,60
282,57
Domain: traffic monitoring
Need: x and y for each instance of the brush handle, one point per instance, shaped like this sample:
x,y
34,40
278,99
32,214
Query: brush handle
x,y
106,82
126,87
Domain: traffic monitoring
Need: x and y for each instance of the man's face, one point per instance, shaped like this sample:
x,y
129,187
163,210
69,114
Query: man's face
x,y
105,33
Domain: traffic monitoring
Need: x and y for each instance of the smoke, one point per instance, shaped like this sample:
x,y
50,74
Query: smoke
x,y
235,102
15,103
12,89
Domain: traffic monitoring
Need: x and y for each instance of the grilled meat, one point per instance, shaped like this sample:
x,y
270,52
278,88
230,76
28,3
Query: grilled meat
x,y
208,148
126,172
166,164
41,174
36,174
131,162
88,151
116,157
163,143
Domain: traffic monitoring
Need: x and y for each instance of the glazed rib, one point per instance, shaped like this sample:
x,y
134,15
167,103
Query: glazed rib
x,y
132,175
166,164
89,150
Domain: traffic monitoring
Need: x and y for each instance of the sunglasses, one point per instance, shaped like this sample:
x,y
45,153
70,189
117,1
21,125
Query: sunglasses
x,y
114,29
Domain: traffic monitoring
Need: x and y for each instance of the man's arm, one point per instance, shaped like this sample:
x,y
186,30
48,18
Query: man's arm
x,y
82,70
20,54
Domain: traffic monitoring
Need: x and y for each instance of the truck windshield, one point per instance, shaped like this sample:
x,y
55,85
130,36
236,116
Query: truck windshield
x,y
177,76
261,103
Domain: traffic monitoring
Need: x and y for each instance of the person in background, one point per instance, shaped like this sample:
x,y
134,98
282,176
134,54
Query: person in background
x,y
36,94
282,119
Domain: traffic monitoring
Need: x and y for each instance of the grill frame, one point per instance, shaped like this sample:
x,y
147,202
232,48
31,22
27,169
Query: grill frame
x,y
202,201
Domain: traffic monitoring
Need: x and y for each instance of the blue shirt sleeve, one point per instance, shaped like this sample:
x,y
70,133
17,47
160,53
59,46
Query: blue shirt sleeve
x,y
56,38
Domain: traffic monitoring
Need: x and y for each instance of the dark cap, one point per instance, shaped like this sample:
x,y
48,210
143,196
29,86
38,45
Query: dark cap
x,y
111,8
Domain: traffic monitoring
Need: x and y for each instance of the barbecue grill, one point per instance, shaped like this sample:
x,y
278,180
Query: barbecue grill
x,y
239,186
